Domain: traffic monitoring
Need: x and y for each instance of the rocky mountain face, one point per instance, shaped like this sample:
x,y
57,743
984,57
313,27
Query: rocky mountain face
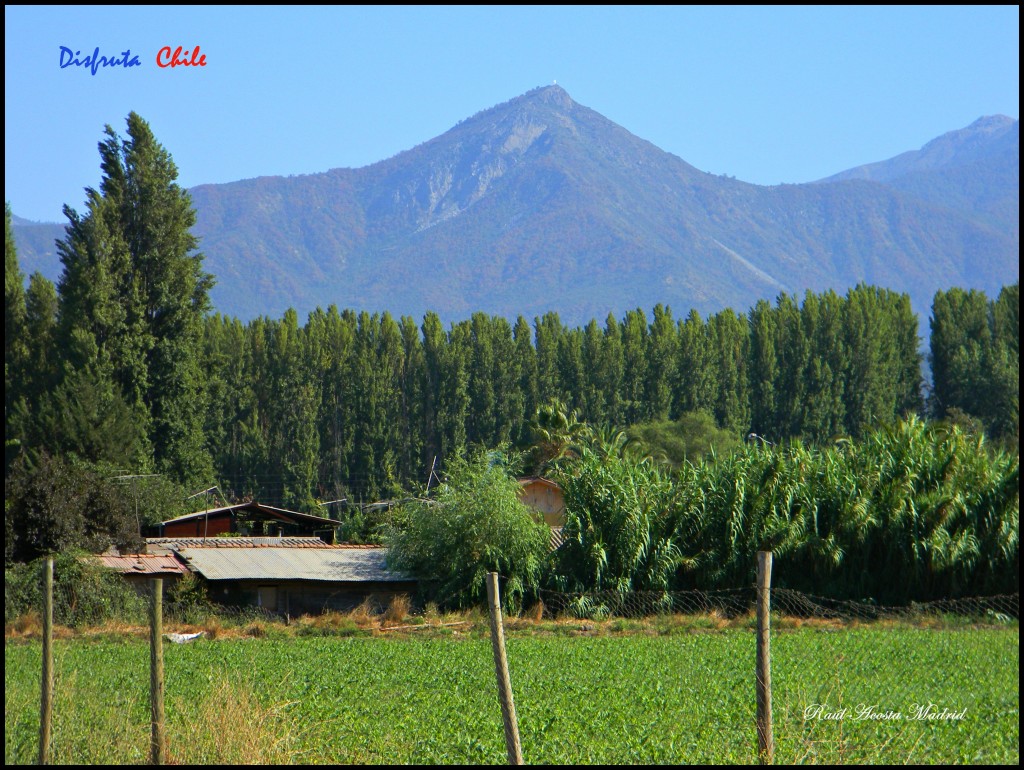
x,y
542,204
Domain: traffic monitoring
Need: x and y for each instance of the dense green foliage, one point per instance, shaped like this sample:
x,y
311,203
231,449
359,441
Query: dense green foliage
x,y
122,372
84,593
360,405
636,700
693,436
912,512
975,359
57,506
475,525
60,504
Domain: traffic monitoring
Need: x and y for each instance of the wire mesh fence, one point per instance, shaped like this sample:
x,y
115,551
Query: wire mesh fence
x,y
599,605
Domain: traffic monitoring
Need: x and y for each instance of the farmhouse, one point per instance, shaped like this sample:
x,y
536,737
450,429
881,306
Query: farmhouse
x,y
251,519
287,575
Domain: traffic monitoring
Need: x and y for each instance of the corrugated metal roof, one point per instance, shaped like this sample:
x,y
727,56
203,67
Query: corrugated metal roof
x,y
326,563
143,564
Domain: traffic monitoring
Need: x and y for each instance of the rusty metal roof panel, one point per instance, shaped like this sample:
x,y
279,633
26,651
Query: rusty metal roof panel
x,y
327,563
173,543
143,564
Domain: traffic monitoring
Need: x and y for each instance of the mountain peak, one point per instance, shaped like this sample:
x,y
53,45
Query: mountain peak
x,y
541,97
991,123
541,203
553,94
985,137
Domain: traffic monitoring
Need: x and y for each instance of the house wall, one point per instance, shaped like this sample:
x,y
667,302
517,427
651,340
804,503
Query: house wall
x,y
211,526
140,582
547,499
303,597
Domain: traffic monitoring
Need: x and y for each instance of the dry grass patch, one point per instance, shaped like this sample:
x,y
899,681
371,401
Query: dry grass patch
x,y
536,612
26,626
230,726
399,609
365,615
212,627
256,629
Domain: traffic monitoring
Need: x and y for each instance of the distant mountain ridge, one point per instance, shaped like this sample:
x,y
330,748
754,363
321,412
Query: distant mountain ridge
x,y
975,169
541,204
984,138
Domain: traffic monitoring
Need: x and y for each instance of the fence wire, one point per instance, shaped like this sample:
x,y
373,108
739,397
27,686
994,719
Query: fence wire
x,y
599,605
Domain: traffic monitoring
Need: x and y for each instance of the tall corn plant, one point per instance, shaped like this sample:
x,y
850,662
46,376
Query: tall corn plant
x,y
913,511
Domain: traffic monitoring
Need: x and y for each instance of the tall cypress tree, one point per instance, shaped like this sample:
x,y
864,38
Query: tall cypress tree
x,y
697,367
483,400
507,383
824,410
612,366
661,364
1003,365
526,366
15,351
764,369
593,395
634,356
548,330
730,340
134,294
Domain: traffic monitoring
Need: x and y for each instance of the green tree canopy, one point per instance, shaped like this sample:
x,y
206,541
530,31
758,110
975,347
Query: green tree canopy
x,y
133,295
476,525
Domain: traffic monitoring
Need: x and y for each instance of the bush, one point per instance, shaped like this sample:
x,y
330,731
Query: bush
x,y
83,593
186,600
693,436
57,505
476,525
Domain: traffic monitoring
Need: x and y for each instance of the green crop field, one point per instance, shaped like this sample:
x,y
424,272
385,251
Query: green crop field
x,y
641,698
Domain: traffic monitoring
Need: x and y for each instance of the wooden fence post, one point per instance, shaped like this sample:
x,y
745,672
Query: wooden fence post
x,y
765,738
508,708
46,701
156,671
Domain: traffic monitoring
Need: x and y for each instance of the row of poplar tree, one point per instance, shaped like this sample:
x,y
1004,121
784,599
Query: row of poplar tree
x,y
122,363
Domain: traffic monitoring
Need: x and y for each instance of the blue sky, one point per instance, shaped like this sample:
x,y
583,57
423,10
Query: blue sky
x,y
765,94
